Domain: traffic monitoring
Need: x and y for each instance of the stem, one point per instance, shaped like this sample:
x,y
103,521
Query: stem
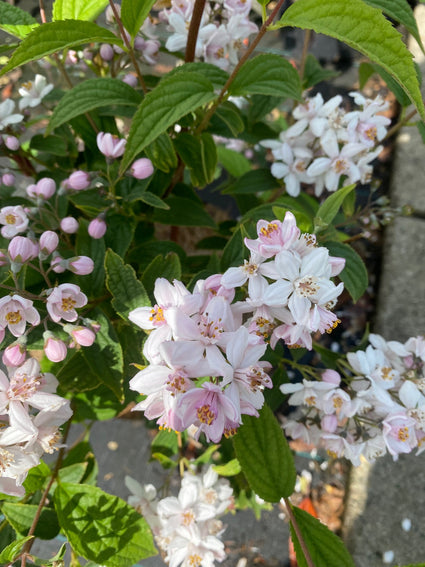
x,y
42,11
306,45
128,45
397,127
28,545
242,60
195,22
297,530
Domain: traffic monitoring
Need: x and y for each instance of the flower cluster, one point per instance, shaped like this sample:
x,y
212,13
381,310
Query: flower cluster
x,y
378,406
187,528
31,414
326,143
225,26
205,339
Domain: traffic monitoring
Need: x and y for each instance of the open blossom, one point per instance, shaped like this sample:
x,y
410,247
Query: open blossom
x,y
110,145
7,117
14,220
15,312
33,92
63,300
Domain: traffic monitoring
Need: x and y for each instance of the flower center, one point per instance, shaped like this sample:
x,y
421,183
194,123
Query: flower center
x,y
205,415
68,303
188,518
6,459
371,133
10,218
340,166
250,268
403,434
22,387
13,317
269,230
306,286
157,315
195,560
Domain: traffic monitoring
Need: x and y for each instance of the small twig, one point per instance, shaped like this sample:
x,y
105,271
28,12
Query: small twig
x,y
195,22
297,530
397,127
306,45
128,45
27,547
42,11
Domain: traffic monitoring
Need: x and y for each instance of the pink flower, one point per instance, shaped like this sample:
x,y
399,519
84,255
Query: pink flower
x,y
78,180
63,300
48,242
45,188
97,228
14,355
81,335
15,312
142,168
21,249
274,236
69,225
8,179
55,349
81,265
399,433
110,145
12,143
14,219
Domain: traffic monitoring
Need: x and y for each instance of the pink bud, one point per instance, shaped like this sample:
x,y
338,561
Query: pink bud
x,y
46,187
83,336
81,265
337,265
14,355
4,260
78,180
110,145
21,249
12,143
49,241
106,52
329,423
130,79
69,225
139,44
141,168
8,179
57,265
55,349
97,228
331,377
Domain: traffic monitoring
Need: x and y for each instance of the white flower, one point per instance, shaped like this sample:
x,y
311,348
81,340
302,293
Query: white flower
x,y
6,114
33,92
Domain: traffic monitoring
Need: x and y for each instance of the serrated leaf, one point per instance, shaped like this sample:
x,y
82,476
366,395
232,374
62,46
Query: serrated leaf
x,y
127,291
174,97
134,13
325,548
267,74
78,9
10,552
401,12
161,153
55,36
101,527
231,468
21,517
217,76
354,275
167,267
363,28
314,73
330,207
75,375
15,21
91,94
36,478
235,163
254,181
199,154
183,212
265,456
54,145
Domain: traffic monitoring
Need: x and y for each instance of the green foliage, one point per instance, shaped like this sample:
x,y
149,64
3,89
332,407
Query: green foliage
x,y
330,207
21,517
265,457
134,13
15,21
91,94
199,155
167,267
364,28
232,468
354,275
78,9
314,73
11,552
56,36
102,527
325,548
183,212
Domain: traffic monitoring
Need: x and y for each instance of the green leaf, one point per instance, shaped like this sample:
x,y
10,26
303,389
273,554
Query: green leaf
x,y
173,98
234,251
75,375
401,12
235,163
325,548
392,84
314,73
330,207
366,70
265,456
217,76
91,94
231,468
267,74
134,13
152,200
101,527
54,145
127,291
421,129
199,154
99,404
78,9
90,202
363,28
254,181
10,552
105,356
21,516
167,267
161,153
183,212
227,121
354,275
73,473
55,36
120,233
166,443
15,21
36,478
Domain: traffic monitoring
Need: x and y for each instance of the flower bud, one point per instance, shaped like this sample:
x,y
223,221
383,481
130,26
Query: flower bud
x,y
8,179
4,260
21,249
97,228
130,79
78,180
46,187
55,349
57,264
81,335
81,265
110,145
69,225
331,377
49,241
106,52
14,355
12,143
141,168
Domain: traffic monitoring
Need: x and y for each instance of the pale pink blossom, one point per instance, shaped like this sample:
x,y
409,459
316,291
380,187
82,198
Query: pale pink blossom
x,y
80,265
69,225
16,312
14,220
97,228
142,168
110,145
63,300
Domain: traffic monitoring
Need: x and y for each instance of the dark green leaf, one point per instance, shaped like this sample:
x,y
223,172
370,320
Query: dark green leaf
x,y
120,233
54,145
15,21
235,163
199,154
102,527
75,375
10,552
183,212
161,153
330,207
254,181
167,267
354,275
36,478
234,251
314,73
227,121
217,76
55,36
152,200
265,456
21,517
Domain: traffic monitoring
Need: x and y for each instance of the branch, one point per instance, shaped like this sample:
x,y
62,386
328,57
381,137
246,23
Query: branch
x,y
297,530
195,22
